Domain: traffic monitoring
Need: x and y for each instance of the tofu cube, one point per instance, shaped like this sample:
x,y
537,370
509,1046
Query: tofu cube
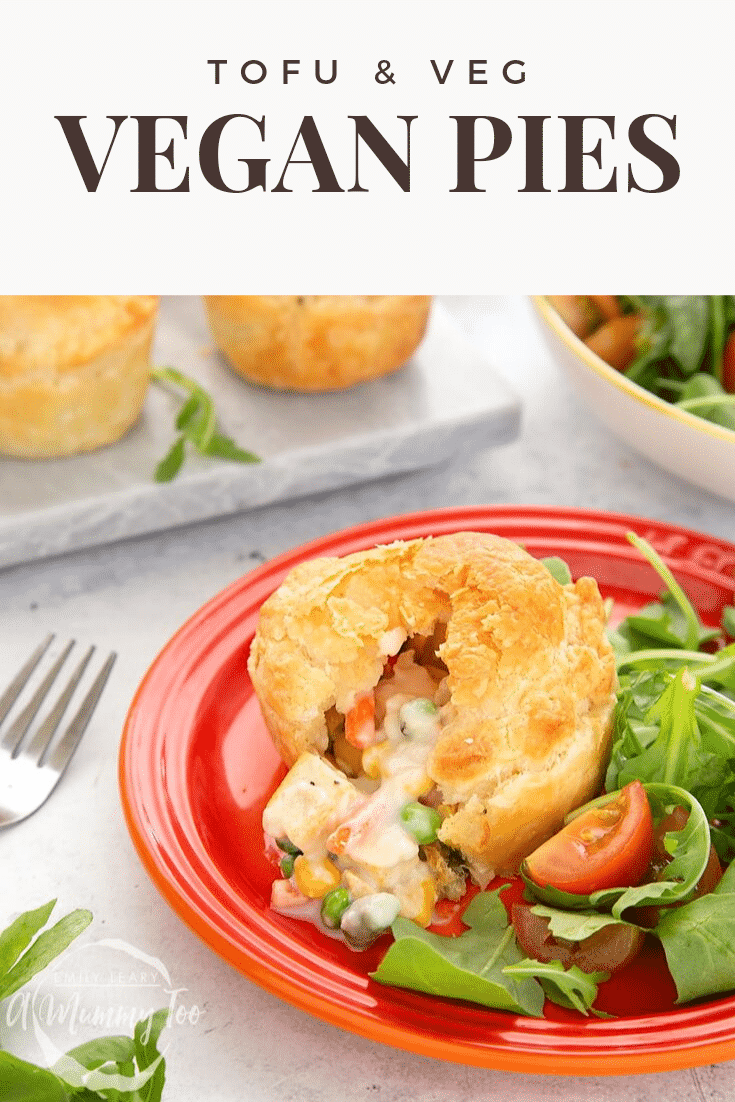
x,y
311,800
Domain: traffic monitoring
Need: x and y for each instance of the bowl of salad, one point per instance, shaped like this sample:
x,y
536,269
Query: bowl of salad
x,y
659,371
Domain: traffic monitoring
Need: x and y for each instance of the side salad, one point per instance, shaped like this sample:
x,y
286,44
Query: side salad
x,y
645,859
679,347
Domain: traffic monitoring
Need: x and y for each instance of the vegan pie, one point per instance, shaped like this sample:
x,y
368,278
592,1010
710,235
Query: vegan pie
x,y
316,342
73,370
443,703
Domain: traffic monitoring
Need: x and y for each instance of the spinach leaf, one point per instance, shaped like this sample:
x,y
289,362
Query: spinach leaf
x,y
681,343
699,942
147,1055
676,328
689,319
103,1050
470,966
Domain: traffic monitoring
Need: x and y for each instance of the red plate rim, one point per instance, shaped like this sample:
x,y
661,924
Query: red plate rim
x,y
155,804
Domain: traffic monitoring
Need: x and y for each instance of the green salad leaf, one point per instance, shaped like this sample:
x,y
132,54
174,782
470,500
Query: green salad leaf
x,y
196,423
24,1082
20,934
681,347
470,966
728,620
558,569
670,725
569,987
576,925
483,965
704,395
663,623
42,951
699,942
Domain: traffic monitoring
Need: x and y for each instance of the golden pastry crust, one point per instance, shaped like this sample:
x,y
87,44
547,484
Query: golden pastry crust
x,y
73,370
316,342
531,677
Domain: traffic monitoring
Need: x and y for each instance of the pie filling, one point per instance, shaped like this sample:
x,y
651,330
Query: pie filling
x,y
356,832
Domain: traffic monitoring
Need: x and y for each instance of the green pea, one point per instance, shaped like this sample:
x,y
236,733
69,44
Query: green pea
x,y
421,822
288,847
418,718
367,918
286,866
334,905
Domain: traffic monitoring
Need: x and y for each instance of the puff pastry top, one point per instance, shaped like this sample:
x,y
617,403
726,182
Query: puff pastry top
x,y
530,673
60,332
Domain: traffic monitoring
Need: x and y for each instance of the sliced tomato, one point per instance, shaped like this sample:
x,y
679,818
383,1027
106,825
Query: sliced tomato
x,y
608,846
609,950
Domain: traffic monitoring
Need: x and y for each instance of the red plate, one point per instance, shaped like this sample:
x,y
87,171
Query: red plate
x,y
197,767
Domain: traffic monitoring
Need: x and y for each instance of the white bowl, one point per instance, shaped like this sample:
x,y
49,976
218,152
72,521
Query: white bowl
x,y
696,450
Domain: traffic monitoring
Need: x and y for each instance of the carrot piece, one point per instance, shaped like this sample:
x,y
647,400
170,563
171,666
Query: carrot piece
x,y
360,722
356,827
614,341
337,840
607,305
577,311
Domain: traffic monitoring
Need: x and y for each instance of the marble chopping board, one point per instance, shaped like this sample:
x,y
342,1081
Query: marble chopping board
x,y
448,399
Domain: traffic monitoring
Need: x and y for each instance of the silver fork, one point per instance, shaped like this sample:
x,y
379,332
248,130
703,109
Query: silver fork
x,y
29,771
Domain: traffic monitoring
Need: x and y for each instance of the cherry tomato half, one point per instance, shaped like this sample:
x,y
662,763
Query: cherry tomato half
x,y
609,950
608,846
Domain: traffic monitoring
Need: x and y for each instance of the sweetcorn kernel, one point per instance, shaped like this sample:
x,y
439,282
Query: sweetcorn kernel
x,y
423,918
421,786
372,761
315,880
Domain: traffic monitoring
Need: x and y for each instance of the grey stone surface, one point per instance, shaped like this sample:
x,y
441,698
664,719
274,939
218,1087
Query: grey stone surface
x,y
447,400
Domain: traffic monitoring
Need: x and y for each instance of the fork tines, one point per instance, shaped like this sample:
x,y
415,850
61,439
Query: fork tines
x,y
37,748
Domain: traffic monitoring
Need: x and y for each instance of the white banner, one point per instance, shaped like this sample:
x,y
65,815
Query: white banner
x,y
367,146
